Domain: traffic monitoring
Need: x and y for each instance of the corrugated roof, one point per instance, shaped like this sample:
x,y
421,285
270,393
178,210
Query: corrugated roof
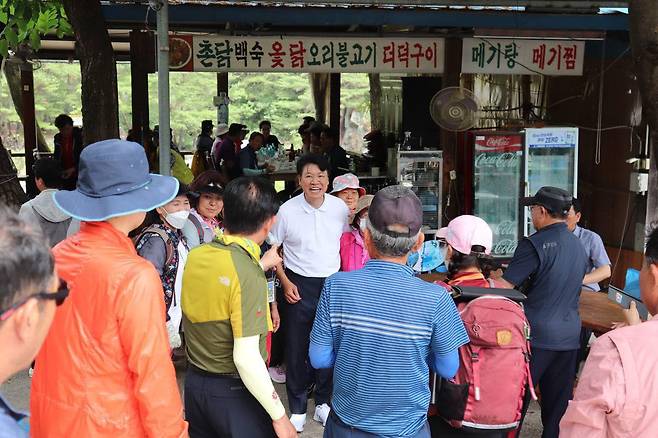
x,y
471,4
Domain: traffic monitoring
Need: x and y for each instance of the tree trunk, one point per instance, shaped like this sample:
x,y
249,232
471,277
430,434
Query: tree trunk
x,y
644,42
320,89
13,75
100,104
11,192
376,120
643,16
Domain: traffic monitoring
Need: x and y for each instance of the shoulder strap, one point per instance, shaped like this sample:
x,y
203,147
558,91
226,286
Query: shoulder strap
x,y
199,228
165,238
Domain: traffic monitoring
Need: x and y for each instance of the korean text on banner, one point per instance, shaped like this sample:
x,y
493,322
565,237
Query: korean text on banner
x,y
513,56
306,54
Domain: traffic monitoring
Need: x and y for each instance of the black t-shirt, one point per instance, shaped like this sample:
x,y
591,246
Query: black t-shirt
x,y
272,140
338,162
549,267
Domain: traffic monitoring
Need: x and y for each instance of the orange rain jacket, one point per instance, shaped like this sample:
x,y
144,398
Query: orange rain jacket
x,y
105,368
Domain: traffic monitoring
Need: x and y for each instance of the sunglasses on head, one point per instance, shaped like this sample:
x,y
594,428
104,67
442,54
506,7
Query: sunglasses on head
x,y
58,297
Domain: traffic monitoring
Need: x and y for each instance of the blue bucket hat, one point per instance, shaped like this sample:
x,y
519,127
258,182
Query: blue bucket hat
x,y
114,180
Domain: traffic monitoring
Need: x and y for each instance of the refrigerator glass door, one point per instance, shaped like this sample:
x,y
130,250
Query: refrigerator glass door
x,y
422,171
552,160
497,187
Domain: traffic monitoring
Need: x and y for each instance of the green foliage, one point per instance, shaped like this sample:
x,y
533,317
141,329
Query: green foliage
x,y
282,98
25,21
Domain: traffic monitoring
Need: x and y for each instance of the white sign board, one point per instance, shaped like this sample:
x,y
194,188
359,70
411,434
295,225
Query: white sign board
x,y
551,137
306,54
516,56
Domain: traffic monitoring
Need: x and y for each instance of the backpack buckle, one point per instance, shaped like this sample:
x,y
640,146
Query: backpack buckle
x,y
475,357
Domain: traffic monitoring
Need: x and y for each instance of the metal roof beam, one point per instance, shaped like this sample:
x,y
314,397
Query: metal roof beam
x,y
189,17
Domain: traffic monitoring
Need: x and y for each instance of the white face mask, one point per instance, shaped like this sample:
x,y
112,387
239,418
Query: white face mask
x,y
363,223
177,219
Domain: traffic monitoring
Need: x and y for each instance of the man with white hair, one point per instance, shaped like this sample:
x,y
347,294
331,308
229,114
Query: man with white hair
x,y
382,358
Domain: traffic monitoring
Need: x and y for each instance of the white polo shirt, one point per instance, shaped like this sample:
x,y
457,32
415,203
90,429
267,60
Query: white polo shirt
x,y
311,236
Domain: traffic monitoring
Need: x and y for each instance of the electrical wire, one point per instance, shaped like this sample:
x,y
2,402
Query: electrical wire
x,y
597,153
515,61
625,227
609,128
5,181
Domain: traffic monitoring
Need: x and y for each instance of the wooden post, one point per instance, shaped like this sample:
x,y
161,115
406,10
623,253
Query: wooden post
x,y
643,18
29,126
141,64
526,98
222,87
448,139
376,121
334,101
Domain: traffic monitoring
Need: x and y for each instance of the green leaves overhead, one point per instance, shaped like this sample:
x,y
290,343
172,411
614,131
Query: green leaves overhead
x,y
26,21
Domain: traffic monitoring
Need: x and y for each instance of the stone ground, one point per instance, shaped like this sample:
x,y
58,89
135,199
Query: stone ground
x,y
17,392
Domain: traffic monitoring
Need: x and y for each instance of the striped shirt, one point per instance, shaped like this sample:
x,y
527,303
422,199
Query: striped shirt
x,y
382,323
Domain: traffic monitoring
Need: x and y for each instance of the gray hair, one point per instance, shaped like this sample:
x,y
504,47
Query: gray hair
x,y
26,265
391,246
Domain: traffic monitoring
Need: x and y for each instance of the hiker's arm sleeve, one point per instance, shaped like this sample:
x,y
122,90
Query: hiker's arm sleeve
x,y
321,345
524,263
445,365
254,375
448,334
155,251
252,172
599,405
140,316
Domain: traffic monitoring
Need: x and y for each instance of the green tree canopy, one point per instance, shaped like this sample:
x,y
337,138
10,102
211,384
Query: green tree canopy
x,y
25,21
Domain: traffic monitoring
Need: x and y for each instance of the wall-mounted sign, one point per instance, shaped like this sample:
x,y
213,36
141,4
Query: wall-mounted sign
x,y
514,56
498,151
305,54
551,137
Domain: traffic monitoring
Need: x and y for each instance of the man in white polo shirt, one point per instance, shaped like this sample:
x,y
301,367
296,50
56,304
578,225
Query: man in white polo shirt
x,y
309,227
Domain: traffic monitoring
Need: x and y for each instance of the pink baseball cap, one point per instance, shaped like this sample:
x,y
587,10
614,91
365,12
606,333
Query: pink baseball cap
x,y
466,231
347,181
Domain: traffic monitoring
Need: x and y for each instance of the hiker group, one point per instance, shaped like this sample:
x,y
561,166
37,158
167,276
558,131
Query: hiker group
x,y
226,277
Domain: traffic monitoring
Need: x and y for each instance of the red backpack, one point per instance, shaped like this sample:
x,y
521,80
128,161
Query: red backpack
x,y
494,368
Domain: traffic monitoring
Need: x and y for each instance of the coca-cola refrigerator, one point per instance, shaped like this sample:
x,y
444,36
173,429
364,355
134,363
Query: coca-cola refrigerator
x,y
551,160
510,165
497,187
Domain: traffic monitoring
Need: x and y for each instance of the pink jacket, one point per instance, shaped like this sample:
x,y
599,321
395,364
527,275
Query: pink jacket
x,y
353,252
617,395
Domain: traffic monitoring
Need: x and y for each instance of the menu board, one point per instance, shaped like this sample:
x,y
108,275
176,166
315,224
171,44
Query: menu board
x,y
516,56
305,54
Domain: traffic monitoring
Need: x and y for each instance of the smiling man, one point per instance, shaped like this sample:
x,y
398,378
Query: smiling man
x,y
309,227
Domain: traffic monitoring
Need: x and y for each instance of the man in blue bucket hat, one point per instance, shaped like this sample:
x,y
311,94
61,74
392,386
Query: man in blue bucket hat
x,y
104,369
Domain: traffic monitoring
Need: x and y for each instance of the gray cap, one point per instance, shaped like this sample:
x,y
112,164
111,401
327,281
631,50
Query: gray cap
x,y
396,211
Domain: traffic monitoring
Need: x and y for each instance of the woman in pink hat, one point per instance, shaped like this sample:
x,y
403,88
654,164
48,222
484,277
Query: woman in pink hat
x,y
469,240
467,257
353,252
347,188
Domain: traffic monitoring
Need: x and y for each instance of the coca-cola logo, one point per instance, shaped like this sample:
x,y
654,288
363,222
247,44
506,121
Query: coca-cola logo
x,y
504,247
497,142
500,161
507,228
